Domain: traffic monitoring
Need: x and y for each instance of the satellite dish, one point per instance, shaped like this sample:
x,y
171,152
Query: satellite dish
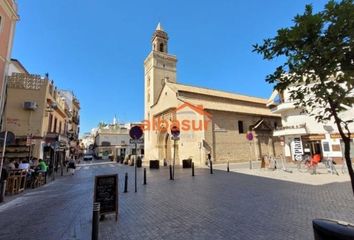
x,y
10,138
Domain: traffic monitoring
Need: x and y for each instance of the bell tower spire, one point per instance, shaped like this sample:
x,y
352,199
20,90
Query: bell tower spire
x,y
159,40
159,68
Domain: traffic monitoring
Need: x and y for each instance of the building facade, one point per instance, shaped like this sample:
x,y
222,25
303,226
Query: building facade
x,y
38,116
303,135
8,19
112,141
210,121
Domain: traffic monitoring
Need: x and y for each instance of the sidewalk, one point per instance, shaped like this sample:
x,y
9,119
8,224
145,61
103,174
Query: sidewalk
x,y
9,198
322,177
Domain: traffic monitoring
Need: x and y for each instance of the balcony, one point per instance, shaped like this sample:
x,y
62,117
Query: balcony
x,y
282,107
290,130
76,120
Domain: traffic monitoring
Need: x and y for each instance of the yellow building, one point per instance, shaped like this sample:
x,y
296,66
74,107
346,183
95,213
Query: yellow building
x,y
210,121
39,117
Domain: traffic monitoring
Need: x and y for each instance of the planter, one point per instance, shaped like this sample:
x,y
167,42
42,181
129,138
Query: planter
x,y
187,163
154,164
139,162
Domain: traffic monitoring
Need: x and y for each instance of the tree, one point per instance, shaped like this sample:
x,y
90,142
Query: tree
x,y
318,70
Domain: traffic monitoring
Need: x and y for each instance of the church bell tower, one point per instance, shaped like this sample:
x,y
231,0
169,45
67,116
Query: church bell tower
x,y
159,67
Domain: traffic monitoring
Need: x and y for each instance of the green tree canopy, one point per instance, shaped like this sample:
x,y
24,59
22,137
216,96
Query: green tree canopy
x,y
318,70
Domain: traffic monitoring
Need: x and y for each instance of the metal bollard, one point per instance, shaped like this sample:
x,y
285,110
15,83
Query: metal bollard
x,y
95,221
144,176
211,167
126,183
2,190
228,166
171,177
192,169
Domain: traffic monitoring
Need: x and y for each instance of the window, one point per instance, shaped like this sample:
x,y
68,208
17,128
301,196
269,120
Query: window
x,y
161,47
326,146
59,127
50,122
55,125
275,125
240,127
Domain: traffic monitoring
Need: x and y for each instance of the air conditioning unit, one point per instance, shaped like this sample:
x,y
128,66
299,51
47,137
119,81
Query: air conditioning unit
x,y
30,105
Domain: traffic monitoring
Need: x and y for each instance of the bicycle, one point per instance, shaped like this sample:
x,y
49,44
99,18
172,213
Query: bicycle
x,y
305,165
329,163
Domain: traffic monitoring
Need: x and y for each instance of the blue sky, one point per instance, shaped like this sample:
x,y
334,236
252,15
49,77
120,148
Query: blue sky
x,y
97,47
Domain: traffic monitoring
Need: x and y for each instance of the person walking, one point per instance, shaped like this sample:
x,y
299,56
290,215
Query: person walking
x,y
72,166
209,159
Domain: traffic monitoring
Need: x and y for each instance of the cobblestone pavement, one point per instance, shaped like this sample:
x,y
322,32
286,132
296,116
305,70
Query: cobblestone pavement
x,y
218,206
322,176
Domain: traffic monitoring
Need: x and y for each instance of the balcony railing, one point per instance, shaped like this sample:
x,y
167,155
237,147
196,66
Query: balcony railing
x,y
26,81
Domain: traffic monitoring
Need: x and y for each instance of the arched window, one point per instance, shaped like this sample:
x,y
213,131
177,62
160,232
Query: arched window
x,y
161,47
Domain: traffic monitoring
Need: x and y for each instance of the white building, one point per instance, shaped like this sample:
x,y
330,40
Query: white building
x,y
113,140
302,134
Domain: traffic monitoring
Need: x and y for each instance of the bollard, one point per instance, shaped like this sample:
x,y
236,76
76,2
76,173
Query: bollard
x,y
126,183
144,176
171,177
192,169
228,166
2,190
211,167
95,221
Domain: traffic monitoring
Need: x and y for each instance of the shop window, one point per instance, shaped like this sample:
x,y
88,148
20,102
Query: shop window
x,y
326,146
240,127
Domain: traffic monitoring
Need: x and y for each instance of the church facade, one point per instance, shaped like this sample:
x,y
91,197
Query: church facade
x,y
210,121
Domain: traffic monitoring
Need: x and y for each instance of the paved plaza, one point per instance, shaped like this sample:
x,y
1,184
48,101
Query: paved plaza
x,y
218,206
292,173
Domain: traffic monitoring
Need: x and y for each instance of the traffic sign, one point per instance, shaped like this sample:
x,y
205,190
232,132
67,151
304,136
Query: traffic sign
x,y
249,136
136,132
138,141
175,131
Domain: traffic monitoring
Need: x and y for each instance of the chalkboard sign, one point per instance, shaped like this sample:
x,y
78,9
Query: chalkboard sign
x,y
106,193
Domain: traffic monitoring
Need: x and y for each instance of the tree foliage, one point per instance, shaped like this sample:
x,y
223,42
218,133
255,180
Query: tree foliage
x,y
319,68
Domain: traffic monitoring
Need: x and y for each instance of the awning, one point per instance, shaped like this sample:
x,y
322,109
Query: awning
x,y
289,132
270,101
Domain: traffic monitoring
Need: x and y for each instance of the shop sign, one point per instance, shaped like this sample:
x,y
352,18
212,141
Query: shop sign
x,y
314,137
297,149
106,193
338,136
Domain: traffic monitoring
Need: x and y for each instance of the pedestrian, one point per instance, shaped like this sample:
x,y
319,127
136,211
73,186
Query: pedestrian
x,y
42,166
71,166
209,159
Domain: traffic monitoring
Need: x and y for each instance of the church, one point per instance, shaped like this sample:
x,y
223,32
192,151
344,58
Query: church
x,y
229,127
